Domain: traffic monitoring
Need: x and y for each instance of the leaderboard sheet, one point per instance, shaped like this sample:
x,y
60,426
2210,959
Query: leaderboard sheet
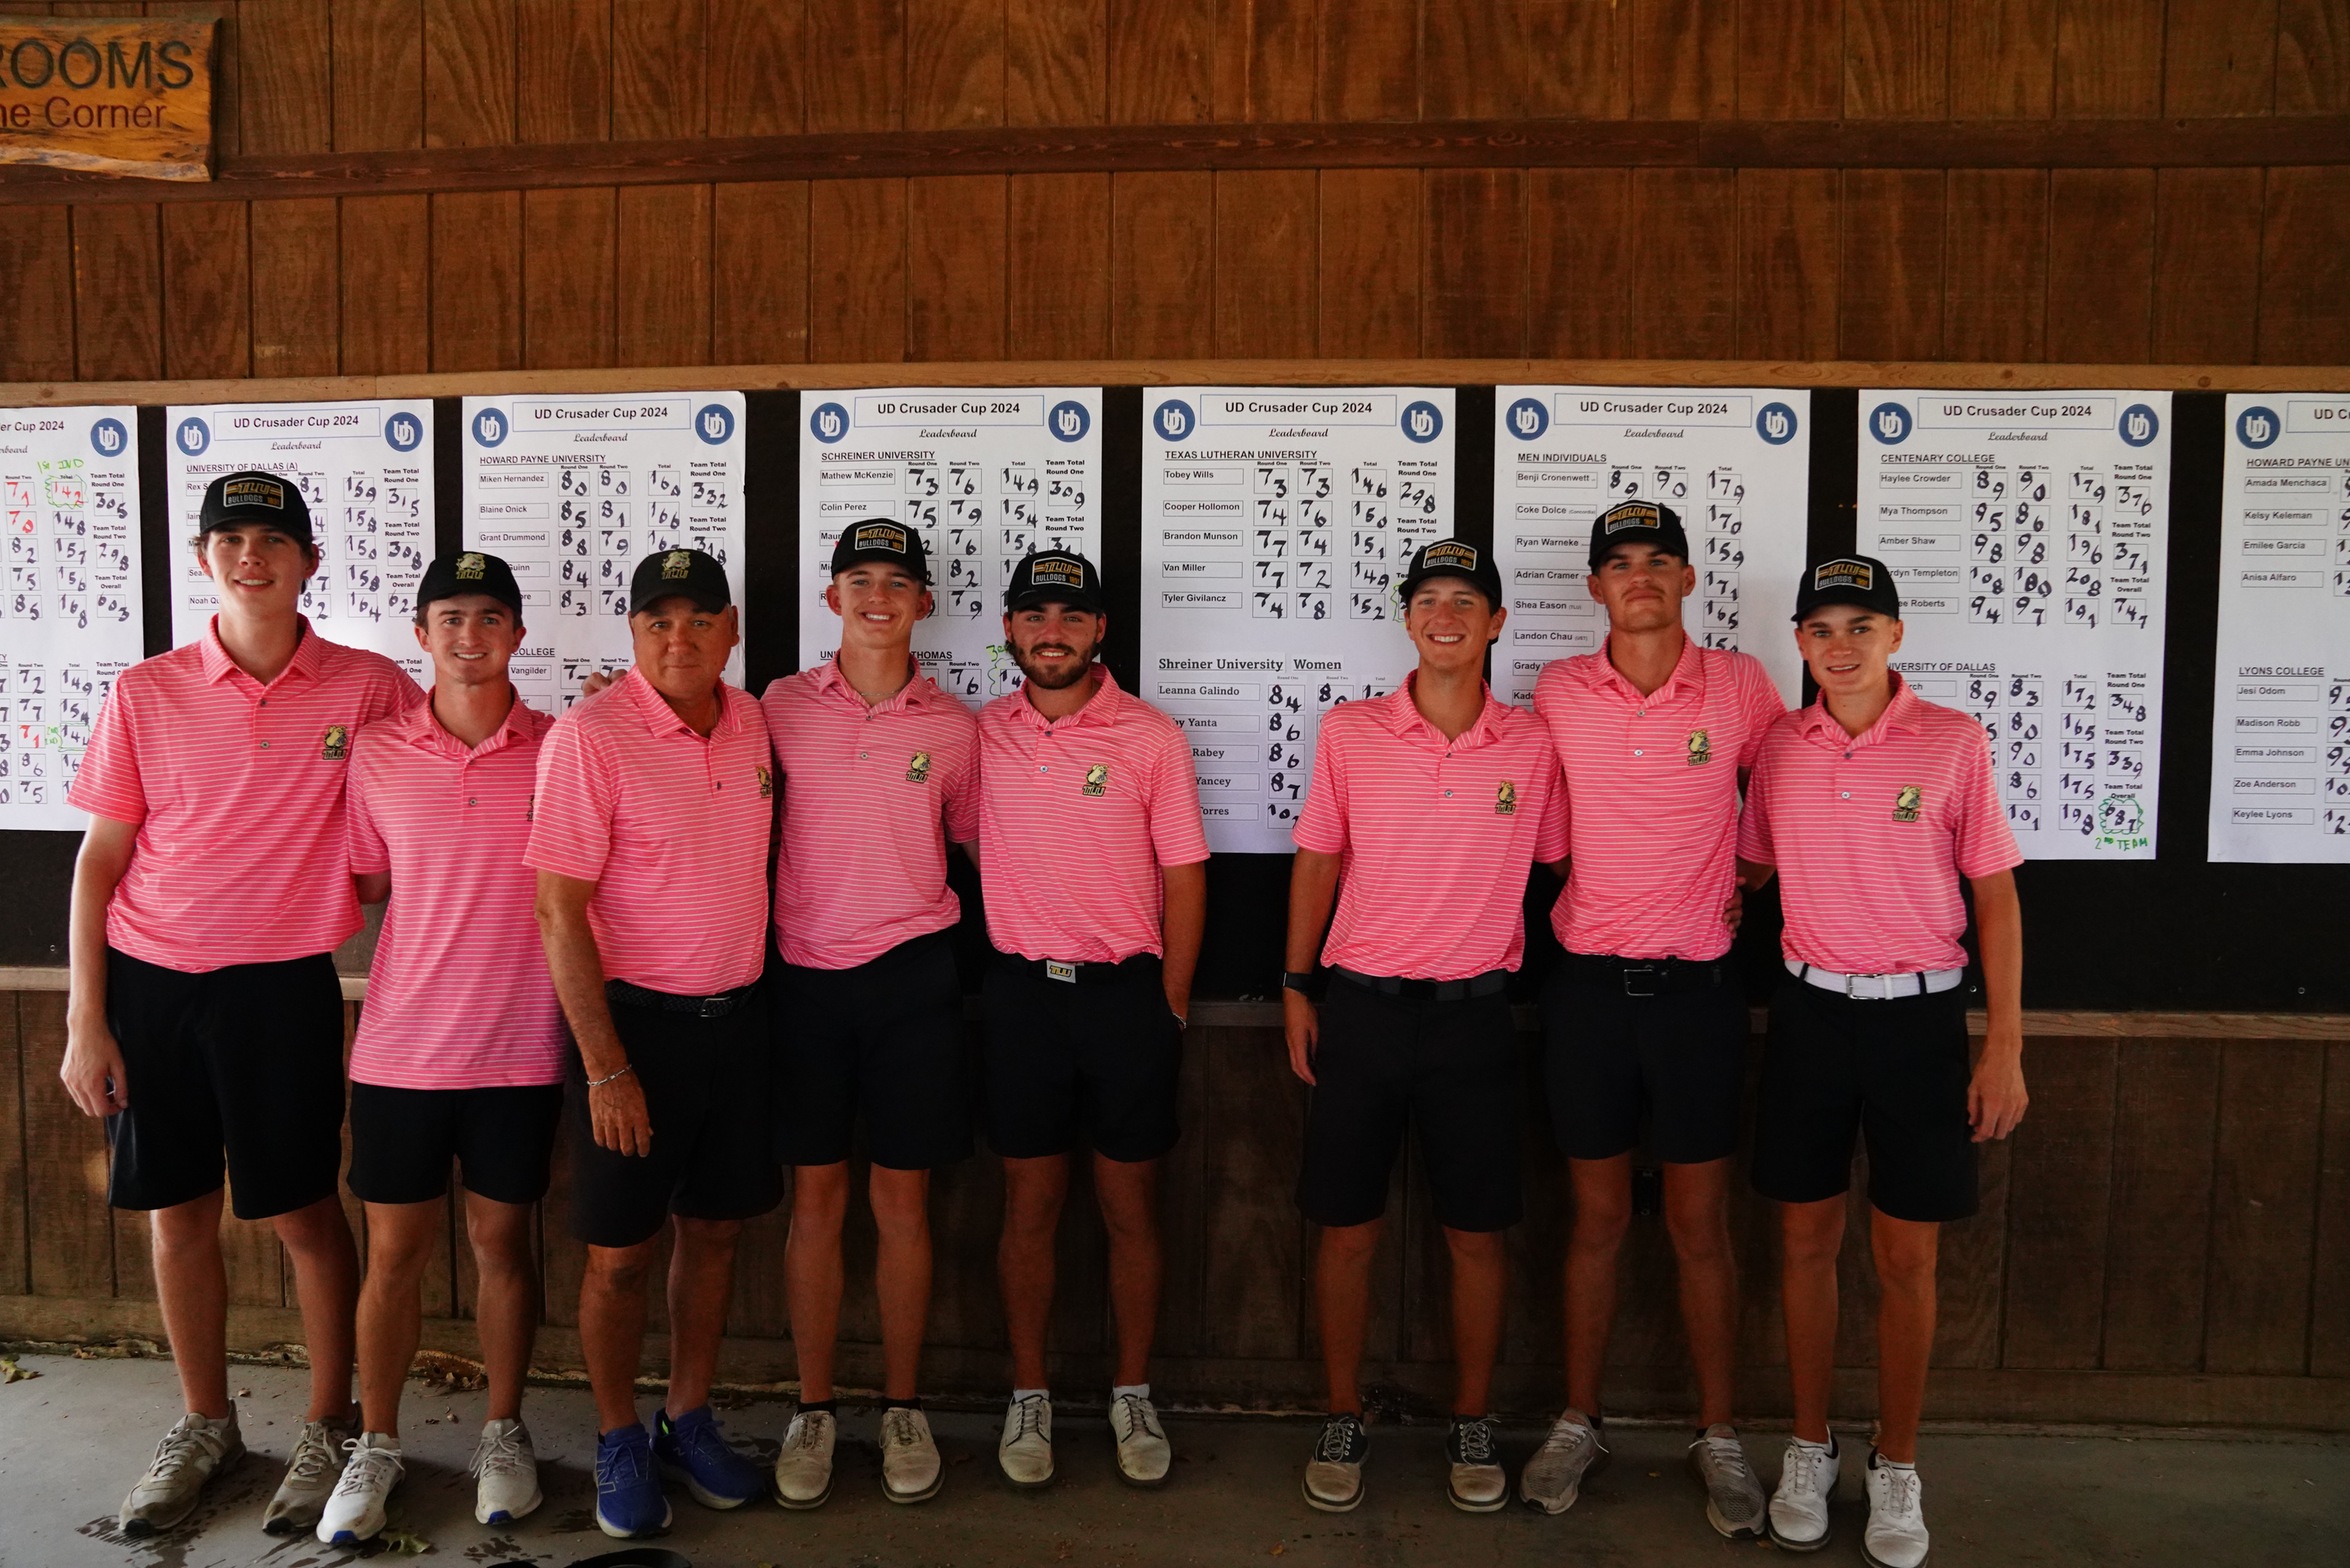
x,y
574,491
984,474
70,617
1734,462
1276,522
366,470
2030,536
2280,723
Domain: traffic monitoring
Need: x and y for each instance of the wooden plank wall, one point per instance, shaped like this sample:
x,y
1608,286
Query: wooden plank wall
x,y
2232,265
2172,1219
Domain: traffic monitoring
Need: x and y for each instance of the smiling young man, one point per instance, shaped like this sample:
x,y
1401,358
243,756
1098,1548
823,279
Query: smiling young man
x,y
879,769
439,812
650,837
1427,810
205,1022
1643,1017
1876,809
1093,861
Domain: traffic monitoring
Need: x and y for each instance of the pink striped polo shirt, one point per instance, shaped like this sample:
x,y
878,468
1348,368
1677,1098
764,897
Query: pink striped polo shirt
x,y
236,789
1438,834
1652,798
1076,819
459,996
1872,833
672,829
871,794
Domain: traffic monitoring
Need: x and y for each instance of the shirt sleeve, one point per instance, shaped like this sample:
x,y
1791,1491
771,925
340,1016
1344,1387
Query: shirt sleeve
x,y
396,692
962,791
571,810
1982,843
1178,837
107,783
1754,823
1321,826
369,854
1763,706
1550,839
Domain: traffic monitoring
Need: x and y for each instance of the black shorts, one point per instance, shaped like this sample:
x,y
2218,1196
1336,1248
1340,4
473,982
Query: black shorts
x,y
502,1138
1448,1069
1678,1058
708,1086
1095,1061
237,1070
883,1039
1894,1071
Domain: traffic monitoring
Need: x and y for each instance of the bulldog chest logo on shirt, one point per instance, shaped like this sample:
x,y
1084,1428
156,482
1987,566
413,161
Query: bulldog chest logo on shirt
x,y
766,783
1505,799
1701,748
918,768
1097,780
335,745
1907,804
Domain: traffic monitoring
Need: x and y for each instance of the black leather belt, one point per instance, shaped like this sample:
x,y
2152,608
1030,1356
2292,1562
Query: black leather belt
x,y
725,1002
1491,983
1645,976
1069,972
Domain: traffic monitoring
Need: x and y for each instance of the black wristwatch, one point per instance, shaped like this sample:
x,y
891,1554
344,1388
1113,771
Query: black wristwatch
x,y
1306,983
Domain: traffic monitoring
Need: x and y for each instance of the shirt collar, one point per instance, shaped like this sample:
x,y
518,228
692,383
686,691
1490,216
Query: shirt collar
x,y
662,719
1403,717
1688,674
1901,714
1103,707
919,692
420,726
308,651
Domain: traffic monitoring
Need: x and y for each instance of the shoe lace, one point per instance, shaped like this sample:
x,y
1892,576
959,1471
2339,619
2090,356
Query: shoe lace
x,y
622,1464
1337,1441
1476,1440
501,1451
1566,1436
1902,1492
807,1431
1801,1471
184,1446
898,1428
1137,1416
1727,1457
366,1469
1030,1412
314,1453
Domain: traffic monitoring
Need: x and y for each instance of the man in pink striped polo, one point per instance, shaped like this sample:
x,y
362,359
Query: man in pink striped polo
x,y
1426,813
1873,806
1643,1018
650,837
205,1022
439,811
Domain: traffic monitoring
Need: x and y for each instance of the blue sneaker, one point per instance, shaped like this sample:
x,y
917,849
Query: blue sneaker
x,y
628,1494
693,1450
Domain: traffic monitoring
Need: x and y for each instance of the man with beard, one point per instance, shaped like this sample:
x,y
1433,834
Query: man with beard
x,y
1092,858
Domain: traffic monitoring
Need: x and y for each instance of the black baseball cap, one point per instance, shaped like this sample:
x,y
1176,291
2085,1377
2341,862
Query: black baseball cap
x,y
1054,577
1650,523
1848,579
672,574
879,539
255,496
1452,558
471,572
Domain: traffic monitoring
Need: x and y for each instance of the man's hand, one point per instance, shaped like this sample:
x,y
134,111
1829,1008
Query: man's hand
x,y
597,680
1995,1097
92,1069
617,1113
1735,910
1301,1022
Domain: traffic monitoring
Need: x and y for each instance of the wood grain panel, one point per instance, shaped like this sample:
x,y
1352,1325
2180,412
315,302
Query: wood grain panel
x,y
1889,294
36,277
297,291
207,291
377,63
71,1248
567,278
2313,57
1684,59
1161,58
759,280
284,102
756,52
1056,62
1995,291
856,66
2206,266
664,271
563,70
2108,58
2329,1314
2058,1207
2304,312
2166,1107
1057,295
2219,57
1471,59
954,63
477,280
2002,59
1370,262
1896,59
857,270
1579,261
2100,265
1790,59
1685,283
955,249
1264,65
1367,60
118,292
1255,1249
659,78
1268,265
966,1218
1787,263
387,285
1971,1276
1574,58
1162,299
15,1202
468,73
1473,263
227,113
1184,1305
2264,1209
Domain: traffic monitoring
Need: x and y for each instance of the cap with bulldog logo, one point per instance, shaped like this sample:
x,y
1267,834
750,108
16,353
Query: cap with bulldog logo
x,y
1651,523
1054,577
1452,558
452,576
693,575
878,539
255,497
1848,579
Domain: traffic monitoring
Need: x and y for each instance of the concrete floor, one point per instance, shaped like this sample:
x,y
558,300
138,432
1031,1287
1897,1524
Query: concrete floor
x,y
73,1439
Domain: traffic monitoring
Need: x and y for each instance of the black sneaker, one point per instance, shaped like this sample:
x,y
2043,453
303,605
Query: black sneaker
x,y
1334,1476
1472,1449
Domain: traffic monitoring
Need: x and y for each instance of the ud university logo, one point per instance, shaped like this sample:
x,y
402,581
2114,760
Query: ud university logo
x,y
108,438
766,783
2140,424
1527,419
1172,419
403,432
676,565
1422,422
472,568
489,427
1097,779
194,436
1505,799
829,423
714,422
1908,803
1701,748
1775,424
1889,423
2258,427
335,745
1068,421
918,768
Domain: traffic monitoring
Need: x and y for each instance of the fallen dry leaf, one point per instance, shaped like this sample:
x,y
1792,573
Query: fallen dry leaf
x,y
10,1372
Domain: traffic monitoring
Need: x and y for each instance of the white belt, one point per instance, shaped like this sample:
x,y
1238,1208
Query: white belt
x,y
1877,988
